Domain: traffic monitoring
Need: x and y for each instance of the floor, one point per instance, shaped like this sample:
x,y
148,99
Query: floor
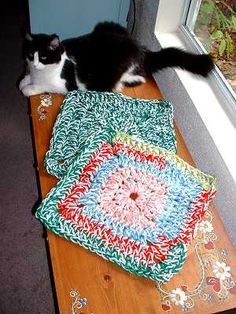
x,y
25,282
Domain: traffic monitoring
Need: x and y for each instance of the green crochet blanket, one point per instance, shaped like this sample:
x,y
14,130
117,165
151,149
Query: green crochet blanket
x,y
88,118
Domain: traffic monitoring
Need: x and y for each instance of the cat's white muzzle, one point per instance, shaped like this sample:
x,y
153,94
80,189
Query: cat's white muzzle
x,y
36,64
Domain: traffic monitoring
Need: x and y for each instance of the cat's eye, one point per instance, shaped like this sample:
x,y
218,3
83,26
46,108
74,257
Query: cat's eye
x,y
43,57
31,54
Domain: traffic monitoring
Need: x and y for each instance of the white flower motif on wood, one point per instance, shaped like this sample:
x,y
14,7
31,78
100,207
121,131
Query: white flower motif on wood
x,y
205,226
221,270
178,296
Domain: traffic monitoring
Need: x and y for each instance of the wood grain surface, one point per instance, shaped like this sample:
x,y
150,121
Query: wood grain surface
x,y
108,288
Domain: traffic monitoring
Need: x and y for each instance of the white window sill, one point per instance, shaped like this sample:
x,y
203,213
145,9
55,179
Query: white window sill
x,y
209,106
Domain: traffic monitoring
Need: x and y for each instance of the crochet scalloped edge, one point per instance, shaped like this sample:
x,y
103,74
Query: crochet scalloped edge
x,y
79,93
161,272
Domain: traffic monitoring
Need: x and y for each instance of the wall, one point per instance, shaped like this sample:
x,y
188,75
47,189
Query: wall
x,y
197,138
74,17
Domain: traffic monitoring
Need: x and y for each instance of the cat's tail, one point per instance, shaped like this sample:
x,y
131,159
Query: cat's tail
x,y
174,57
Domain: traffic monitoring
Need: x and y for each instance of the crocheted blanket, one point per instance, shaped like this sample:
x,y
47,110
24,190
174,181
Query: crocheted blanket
x,y
132,203
88,118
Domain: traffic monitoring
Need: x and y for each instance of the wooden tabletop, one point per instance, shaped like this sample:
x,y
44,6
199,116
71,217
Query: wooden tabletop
x,y
79,274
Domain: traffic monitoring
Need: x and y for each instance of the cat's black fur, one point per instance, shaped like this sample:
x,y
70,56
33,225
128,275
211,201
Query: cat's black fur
x,y
68,73
99,60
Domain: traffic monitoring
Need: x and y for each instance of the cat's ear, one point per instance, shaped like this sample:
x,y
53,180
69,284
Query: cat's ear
x,y
54,43
28,36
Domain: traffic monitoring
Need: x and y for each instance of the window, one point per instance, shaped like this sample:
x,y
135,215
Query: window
x,y
213,98
212,24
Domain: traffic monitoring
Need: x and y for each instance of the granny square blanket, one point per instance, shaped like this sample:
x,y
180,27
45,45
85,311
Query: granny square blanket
x,y
91,117
133,203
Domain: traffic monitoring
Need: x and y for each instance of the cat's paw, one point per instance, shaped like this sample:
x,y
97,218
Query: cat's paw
x,y
24,82
30,90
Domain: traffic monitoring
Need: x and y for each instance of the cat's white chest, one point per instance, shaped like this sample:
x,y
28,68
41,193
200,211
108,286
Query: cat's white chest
x,y
48,77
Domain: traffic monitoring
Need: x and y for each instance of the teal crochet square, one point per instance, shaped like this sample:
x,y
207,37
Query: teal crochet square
x,y
87,118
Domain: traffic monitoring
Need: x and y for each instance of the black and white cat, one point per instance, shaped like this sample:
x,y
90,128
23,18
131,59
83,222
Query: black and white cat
x,y
107,59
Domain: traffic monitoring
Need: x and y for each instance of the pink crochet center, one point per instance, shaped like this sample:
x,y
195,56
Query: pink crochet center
x,y
133,197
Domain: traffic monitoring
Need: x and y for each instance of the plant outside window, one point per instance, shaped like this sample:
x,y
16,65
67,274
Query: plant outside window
x,y
215,27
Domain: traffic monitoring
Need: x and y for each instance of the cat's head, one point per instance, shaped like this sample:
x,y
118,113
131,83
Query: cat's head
x,y
41,49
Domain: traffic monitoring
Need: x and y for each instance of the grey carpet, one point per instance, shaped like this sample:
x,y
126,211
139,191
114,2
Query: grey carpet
x,y
24,274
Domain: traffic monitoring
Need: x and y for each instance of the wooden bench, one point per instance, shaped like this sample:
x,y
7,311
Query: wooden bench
x,y
108,289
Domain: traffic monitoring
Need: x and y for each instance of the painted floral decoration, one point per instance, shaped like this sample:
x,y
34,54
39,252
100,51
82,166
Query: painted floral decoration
x,y
205,226
221,270
215,280
178,296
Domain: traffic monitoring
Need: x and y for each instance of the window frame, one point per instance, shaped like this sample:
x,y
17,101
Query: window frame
x,y
219,106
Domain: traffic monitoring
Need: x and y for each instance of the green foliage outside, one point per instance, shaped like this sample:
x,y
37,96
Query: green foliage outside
x,y
220,18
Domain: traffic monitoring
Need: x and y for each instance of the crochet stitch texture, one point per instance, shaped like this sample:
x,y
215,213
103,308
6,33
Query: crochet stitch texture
x,y
88,118
132,203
